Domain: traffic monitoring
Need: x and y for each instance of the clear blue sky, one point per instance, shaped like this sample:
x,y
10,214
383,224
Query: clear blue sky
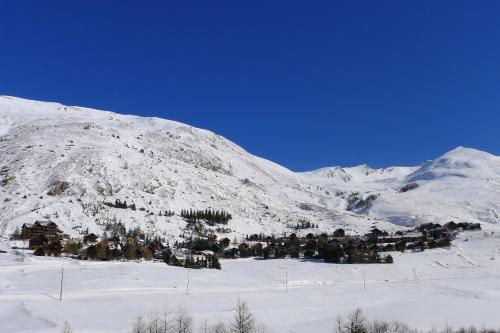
x,y
304,83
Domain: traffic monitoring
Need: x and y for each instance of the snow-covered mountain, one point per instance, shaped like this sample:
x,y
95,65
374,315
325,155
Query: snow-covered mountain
x,y
63,163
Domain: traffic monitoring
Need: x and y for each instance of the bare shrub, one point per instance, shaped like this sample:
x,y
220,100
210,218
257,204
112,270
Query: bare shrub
x,y
179,322
243,321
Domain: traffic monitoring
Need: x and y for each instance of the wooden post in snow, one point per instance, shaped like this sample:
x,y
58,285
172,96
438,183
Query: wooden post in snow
x,y
62,279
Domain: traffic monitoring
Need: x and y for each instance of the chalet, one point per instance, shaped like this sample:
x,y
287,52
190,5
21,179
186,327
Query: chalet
x,y
451,225
438,233
37,241
323,236
432,244
90,238
468,226
309,254
339,233
269,251
401,236
116,254
253,238
411,246
230,252
89,253
244,251
178,259
159,255
444,242
378,232
389,247
429,226
46,228
225,242
27,231
474,226
244,246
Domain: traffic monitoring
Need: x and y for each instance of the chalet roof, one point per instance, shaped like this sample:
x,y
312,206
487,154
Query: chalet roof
x,y
44,224
413,234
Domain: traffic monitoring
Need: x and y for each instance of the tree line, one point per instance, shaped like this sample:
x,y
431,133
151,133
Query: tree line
x,y
244,321
212,217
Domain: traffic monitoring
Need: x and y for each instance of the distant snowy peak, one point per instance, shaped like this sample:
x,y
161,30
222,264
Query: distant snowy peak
x,y
460,162
358,174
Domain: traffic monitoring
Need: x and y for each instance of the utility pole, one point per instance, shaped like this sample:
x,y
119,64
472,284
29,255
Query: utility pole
x,y
286,282
187,285
364,280
62,279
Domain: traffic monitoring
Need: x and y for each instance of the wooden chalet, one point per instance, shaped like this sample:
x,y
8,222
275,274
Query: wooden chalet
x,y
46,228
39,240
90,238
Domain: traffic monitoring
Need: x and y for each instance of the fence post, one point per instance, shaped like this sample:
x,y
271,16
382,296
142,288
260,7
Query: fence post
x,y
62,279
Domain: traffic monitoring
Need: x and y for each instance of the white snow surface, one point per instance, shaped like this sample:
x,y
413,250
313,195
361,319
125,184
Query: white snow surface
x,y
165,165
459,286
99,154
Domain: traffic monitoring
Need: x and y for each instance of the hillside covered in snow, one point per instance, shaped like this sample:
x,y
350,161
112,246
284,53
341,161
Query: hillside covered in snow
x,y
67,164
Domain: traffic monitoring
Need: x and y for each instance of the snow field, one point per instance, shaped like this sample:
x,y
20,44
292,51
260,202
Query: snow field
x,y
459,286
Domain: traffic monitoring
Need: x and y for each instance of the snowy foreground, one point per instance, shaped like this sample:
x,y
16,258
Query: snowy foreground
x,y
456,286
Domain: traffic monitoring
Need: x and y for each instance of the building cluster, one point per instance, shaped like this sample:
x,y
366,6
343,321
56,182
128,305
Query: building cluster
x,y
46,239
373,247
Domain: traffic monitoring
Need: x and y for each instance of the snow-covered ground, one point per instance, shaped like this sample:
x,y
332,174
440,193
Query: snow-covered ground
x,y
163,165
455,286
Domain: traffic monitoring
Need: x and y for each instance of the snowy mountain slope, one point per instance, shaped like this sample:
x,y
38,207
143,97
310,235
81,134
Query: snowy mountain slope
x,y
62,163
156,164
463,184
